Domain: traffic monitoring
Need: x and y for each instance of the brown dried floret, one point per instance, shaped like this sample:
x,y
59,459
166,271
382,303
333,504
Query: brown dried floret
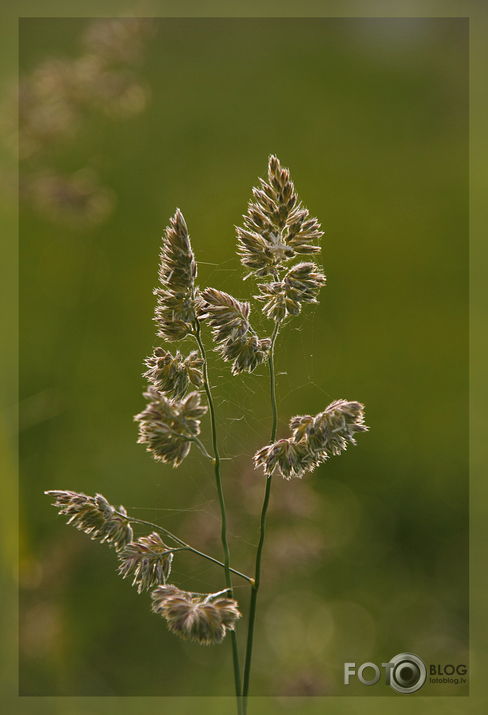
x,y
235,339
203,619
313,440
94,516
175,309
245,353
147,559
301,284
335,427
227,316
168,427
289,458
173,374
277,226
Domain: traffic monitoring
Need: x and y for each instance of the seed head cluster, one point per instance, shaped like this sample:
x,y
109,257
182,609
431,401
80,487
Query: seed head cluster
x,y
175,309
245,353
147,560
174,374
300,284
313,440
277,227
227,317
170,421
203,619
168,427
94,516
231,330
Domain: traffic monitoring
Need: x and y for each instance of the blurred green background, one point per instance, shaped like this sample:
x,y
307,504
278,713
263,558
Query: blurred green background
x,y
366,557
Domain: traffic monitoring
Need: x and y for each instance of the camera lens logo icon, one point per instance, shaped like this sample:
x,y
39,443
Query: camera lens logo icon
x,y
407,673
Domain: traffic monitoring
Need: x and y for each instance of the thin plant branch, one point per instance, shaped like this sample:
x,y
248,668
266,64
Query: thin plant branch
x,y
262,525
223,513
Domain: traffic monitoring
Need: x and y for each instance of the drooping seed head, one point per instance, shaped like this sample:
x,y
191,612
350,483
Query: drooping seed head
x,y
204,620
313,440
245,353
228,610
94,516
335,427
288,458
147,560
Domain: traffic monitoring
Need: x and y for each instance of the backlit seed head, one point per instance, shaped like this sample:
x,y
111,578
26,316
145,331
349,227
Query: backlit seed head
x,y
146,560
167,426
277,306
235,339
277,226
289,458
301,426
94,516
228,610
313,440
335,427
245,353
175,309
227,316
301,284
203,619
173,374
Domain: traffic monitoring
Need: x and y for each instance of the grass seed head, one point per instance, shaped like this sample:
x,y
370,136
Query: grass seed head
x,y
202,619
168,426
313,440
236,341
94,516
175,308
146,560
277,226
173,374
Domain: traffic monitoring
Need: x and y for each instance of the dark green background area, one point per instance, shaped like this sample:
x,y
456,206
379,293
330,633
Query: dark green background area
x,y
371,117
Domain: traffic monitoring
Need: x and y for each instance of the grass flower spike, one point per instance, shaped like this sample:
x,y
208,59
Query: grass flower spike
x,y
227,316
331,430
168,427
313,440
173,374
94,516
289,458
235,339
277,227
204,619
148,560
175,309
300,284
245,353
